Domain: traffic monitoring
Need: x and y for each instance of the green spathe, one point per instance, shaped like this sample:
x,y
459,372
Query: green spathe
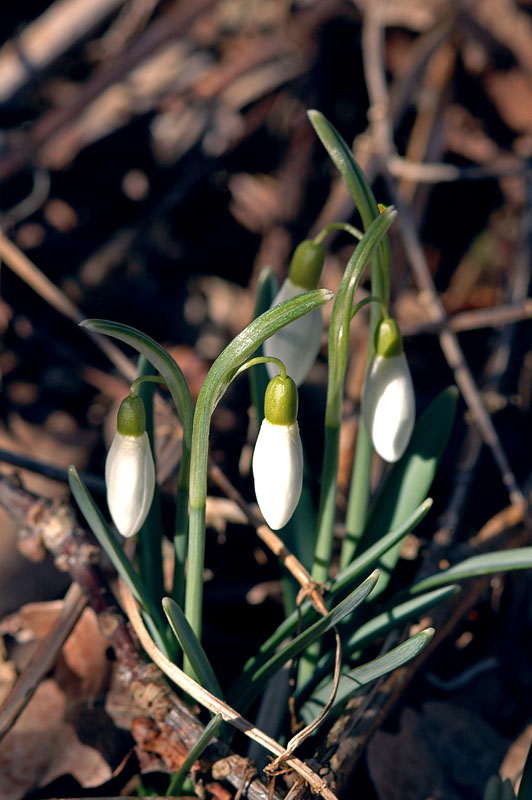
x,y
131,417
280,401
307,264
388,341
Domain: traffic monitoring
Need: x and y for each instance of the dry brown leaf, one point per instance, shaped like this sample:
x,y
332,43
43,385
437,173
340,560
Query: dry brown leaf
x,y
511,93
8,673
514,760
41,747
85,654
32,620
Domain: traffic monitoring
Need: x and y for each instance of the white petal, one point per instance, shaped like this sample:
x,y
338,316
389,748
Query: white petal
x,y
298,344
278,472
130,480
388,406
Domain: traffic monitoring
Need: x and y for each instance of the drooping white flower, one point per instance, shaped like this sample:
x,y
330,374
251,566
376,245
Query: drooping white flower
x,y
297,344
278,455
388,401
129,469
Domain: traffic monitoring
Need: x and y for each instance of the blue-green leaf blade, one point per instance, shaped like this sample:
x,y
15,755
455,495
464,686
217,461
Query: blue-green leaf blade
x,y
475,566
410,478
163,362
375,629
245,690
191,647
353,681
208,734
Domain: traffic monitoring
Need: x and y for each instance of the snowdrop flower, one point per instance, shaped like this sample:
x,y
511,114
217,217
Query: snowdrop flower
x,y
129,469
388,404
278,455
297,345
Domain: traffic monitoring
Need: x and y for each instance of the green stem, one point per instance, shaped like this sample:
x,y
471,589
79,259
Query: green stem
x,y
262,360
218,379
359,492
143,379
327,509
324,541
337,226
360,487
195,562
181,535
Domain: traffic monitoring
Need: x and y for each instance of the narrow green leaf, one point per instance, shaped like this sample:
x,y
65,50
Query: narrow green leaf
x,y
191,647
341,313
353,681
373,630
161,360
344,161
342,157
342,583
484,564
410,478
209,733
369,559
245,690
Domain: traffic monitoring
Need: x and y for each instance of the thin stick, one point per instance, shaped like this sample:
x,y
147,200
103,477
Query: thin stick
x,y
373,64
17,261
43,658
214,704
494,317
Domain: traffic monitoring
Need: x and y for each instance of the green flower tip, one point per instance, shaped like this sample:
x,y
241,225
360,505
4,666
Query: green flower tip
x,y
307,264
131,417
280,401
388,341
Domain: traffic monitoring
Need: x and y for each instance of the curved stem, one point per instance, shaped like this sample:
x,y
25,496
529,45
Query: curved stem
x,y
327,509
180,392
262,360
220,375
133,389
337,226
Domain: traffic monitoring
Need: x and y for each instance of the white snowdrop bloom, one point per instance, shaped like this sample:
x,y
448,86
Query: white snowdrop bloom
x,y
297,344
129,469
278,455
388,402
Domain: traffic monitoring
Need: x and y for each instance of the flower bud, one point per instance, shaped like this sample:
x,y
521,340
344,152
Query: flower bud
x,y
388,403
298,344
129,469
278,455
